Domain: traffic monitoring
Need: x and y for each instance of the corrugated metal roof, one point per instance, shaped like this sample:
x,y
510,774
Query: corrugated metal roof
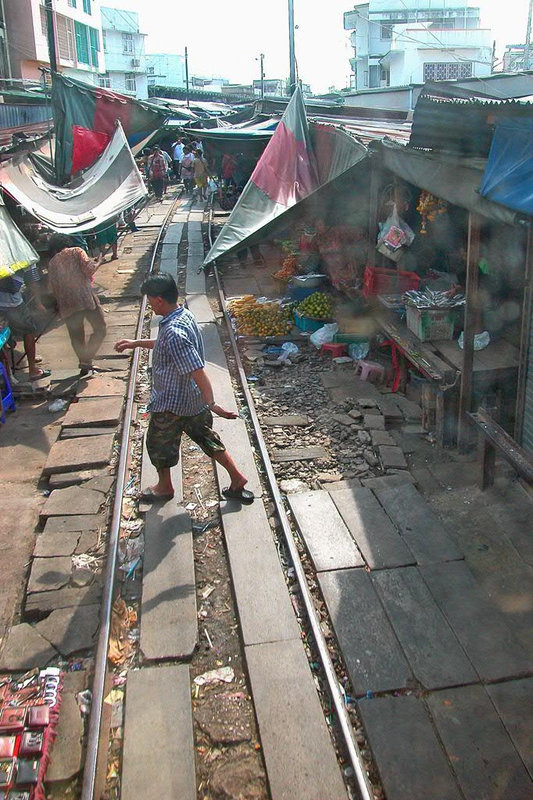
x,y
12,116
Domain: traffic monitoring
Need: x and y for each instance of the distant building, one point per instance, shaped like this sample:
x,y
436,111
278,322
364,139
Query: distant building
x,y
78,38
165,69
239,91
125,59
5,68
208,84
399,42
272,86
514,58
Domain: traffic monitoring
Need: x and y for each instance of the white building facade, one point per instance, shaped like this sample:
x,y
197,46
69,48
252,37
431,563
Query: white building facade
x,y
165,69
400,42
78,34
125,59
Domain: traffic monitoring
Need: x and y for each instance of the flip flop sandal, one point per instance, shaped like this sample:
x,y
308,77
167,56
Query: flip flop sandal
x,y
244,496
151,497
44,373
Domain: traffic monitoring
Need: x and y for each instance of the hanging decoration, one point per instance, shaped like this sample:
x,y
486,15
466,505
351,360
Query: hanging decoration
x,y
430,207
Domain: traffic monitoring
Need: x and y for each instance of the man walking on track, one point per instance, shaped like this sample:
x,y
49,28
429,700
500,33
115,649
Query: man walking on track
x,y
181,399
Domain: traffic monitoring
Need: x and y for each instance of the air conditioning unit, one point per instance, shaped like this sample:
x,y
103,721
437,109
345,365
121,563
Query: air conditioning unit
x,y
135,62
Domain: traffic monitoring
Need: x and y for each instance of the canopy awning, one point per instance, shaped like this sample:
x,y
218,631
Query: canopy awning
x,y
299,159
109,187
508,177
453,178
16,252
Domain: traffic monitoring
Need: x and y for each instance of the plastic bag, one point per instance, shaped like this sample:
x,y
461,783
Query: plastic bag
x,y
481,340
211,186
358,350
394,234
288,349
324,335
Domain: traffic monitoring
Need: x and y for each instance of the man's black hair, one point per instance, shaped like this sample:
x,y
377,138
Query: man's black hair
x,y
161,285
58,242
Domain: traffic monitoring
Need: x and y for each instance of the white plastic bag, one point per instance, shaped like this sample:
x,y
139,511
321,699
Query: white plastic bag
x,y
481,340
211,186
394,234
324,335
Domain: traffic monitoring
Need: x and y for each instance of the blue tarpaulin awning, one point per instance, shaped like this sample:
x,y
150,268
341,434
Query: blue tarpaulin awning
x,y
508,177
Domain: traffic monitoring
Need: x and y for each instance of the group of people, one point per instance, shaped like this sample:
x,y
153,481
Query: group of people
x,y
70,282
188,164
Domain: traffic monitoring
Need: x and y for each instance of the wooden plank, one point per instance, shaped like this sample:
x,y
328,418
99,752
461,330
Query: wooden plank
x,y
410,760
168,625
483,756
434,654
514,703
326,536
421,529
158,756
286,420
299,755
517,456
376,537
370,649
489,642
417,352
299,454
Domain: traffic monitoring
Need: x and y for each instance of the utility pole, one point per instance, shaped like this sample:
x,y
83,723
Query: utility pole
x,y
187,77
292,57
262,59
528,36
51,34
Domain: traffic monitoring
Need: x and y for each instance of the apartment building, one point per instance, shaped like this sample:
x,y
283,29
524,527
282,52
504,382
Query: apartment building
x,y
78,30
165,69
399,42
125,58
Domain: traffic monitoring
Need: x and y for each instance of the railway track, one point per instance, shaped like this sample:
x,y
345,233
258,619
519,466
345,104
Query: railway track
x,y
345,742
224,617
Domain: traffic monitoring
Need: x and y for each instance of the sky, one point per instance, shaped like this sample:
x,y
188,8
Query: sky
x,y
225,37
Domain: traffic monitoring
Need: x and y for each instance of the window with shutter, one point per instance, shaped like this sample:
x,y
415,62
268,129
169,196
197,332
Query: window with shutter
x,y
64,38
82,43
95,46
87,6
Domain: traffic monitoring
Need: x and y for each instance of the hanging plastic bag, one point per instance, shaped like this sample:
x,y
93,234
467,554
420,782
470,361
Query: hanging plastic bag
x,y
324,335
394,234
211,186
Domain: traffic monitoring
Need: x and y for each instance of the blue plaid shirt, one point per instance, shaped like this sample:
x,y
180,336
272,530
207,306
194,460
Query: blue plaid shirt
x,y
178,351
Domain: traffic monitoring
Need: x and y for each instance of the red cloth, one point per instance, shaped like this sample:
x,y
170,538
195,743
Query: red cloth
x,y
86,147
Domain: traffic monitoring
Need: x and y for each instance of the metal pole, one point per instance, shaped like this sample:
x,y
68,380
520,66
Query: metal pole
x,y
528,36
51,35
187,77
292,57
262,58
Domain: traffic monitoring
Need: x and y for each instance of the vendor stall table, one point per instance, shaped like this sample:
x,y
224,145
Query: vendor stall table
x,y
441,363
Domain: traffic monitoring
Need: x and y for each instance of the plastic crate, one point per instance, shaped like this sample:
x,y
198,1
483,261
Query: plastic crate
x,y
308,324
349,338
378,280
431,324
299,293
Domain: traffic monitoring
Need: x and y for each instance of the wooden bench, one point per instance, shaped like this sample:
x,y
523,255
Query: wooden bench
x,y
492,437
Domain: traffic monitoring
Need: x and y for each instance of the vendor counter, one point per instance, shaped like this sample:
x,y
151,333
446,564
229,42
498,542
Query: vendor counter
x,y
441,362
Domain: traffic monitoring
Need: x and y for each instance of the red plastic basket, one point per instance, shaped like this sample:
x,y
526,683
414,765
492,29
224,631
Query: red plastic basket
x,y
378,280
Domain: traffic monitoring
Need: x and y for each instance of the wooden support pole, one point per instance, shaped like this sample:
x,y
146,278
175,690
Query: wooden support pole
x,y
375,180
527,308
471,317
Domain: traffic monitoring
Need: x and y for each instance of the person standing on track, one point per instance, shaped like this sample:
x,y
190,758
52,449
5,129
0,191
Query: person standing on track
x,y
157,172
181,399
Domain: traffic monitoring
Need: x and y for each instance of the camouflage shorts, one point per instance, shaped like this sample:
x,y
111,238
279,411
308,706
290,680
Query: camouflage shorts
x,y
164,436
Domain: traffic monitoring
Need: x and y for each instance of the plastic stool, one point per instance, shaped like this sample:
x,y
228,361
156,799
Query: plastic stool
x,y
8,401
370,371
336,349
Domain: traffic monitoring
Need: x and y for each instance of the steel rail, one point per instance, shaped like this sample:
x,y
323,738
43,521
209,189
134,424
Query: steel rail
x,y
337,696
100,671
